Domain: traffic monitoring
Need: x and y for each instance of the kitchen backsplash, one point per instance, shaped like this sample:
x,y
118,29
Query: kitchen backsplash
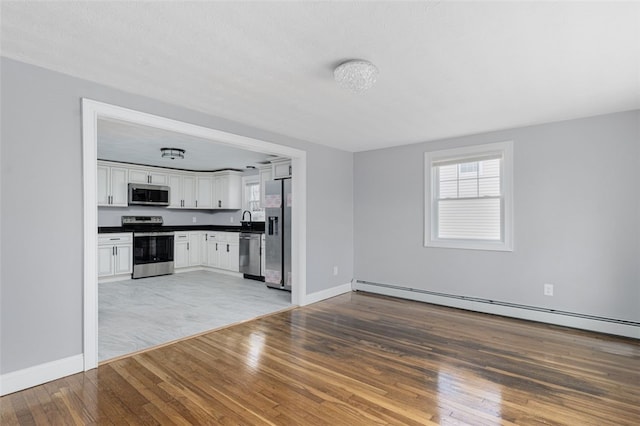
x,y
112,216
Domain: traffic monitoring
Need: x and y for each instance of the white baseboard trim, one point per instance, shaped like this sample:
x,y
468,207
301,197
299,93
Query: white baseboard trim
x,y
114,278
590,324
39,374
326,294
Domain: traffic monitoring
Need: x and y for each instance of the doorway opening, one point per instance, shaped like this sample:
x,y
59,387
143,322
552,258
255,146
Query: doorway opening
x,y
92,112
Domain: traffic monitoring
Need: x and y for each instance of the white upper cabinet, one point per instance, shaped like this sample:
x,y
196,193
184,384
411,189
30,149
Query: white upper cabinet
x,y
227,190
281,168
204,186
148,176
265,176
175,191
182,192
112,185
188,190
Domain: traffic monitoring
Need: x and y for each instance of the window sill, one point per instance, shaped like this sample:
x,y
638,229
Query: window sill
x,y
470,245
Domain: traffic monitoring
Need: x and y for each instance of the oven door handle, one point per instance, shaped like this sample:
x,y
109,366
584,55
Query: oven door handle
x,y
153,234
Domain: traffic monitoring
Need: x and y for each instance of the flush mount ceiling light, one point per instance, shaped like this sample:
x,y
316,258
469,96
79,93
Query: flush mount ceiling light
x,y
172,153
356,75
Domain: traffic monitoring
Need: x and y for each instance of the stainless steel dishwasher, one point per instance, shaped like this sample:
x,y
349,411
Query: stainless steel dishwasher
x,y
250,253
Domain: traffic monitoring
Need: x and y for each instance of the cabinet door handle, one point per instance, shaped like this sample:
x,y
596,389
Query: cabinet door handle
x,y
219,203
206,237
116,250
216,246
289,169
196,203
187,246
113,251
227,248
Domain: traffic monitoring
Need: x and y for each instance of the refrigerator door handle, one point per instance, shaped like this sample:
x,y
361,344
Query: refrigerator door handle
x,y
273,225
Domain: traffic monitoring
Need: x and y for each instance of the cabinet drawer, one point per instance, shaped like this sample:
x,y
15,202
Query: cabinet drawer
x,y
233,237
228,237
111,239
182,236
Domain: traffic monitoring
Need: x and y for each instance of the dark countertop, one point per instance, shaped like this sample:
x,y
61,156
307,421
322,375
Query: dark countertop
x,y
257,227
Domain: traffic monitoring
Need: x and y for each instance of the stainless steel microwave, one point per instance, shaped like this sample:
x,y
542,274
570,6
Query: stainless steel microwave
x,y
148,195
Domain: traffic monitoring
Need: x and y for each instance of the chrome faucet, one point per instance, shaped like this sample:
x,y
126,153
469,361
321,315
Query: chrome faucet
x,y
243,213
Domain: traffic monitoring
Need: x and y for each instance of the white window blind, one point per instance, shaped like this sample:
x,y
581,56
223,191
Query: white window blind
x,y
252,196
469,197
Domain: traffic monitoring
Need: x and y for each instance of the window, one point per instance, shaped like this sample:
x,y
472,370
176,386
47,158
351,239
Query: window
x,y
469,197
251,197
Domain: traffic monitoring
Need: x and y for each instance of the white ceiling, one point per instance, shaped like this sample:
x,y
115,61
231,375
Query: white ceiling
x,y
133,143
446,68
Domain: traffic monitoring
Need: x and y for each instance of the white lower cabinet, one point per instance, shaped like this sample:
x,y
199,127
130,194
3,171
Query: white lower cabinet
x,y
229,254
194,248
187,249
115,254
213,258
181,250
215,249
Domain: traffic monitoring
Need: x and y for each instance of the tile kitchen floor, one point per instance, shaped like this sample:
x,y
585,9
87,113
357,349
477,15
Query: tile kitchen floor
x,y
138,314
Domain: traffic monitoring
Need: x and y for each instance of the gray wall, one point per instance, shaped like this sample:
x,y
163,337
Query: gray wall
x,y
41,208
577,220
112,216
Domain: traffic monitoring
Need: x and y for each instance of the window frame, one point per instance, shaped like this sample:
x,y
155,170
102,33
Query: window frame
x,y
256,215
505,150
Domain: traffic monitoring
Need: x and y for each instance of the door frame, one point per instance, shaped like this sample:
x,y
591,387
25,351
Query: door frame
x,y
92,111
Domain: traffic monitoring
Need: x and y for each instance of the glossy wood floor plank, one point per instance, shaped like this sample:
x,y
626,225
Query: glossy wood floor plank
x,y
357,359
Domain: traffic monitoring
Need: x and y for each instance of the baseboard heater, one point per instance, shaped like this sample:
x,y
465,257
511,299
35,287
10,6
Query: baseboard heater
x,y
499,303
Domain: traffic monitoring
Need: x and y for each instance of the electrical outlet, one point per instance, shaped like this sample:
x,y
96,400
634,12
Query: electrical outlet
x,y
194,219
548,289
335,270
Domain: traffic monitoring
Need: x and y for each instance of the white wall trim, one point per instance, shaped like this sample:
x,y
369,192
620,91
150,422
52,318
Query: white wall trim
x,y
91,112
508,311
36,375
327,294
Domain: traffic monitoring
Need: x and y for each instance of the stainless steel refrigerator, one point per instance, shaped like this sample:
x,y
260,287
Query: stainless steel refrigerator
x,y
277,231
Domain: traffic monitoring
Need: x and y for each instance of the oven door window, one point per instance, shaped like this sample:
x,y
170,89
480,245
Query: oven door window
x,y
153,249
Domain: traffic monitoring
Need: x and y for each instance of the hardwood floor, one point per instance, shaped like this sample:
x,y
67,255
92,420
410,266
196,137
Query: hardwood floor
x,y
356,359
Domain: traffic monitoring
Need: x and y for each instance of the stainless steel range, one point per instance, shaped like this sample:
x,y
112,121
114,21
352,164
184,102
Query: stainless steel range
x,y
152,246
